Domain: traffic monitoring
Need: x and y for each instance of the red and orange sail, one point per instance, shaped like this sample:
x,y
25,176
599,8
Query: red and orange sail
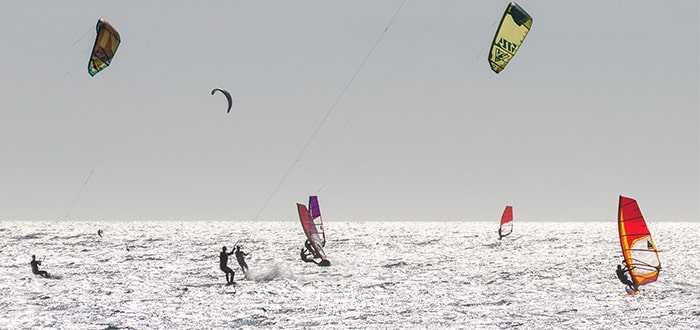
x,y
637,246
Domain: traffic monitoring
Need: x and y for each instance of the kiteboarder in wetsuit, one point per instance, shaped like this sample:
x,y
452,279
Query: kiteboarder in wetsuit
x,y
623,278
35,268
223,264
240,256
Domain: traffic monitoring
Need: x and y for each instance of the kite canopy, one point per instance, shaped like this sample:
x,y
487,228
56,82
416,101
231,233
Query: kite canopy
x,y
511,33
228,97
106,44
637,247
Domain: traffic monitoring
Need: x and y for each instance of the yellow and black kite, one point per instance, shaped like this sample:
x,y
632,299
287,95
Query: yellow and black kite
x,y
515,25
106,44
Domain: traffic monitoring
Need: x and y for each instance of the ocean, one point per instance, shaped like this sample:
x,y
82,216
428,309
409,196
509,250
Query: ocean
x,y
384,275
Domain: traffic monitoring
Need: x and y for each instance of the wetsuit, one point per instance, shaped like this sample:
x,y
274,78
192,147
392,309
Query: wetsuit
x,y
240,257
35,269
223,261
310,249
623,278
305,257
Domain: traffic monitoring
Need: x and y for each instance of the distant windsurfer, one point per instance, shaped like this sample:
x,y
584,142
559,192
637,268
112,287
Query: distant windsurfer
x,y
499,233
35,268
623,278
240,257
223,264
99,232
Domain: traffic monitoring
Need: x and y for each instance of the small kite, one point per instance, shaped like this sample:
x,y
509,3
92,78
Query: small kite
x,y
228,97
106,44
511,33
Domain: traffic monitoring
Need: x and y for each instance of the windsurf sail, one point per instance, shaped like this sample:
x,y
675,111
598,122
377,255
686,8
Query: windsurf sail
x,y
313,228
315,211
638,248
506,222
515,24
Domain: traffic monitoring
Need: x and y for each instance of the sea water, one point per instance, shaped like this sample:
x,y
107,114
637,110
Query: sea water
x,y
396,275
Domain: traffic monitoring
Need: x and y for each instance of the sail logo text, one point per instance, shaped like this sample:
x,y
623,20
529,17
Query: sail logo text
x,y
507,45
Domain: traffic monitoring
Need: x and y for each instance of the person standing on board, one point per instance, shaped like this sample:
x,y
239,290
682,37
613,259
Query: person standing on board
x,y
305,256
240,256
223,264
311,250
623,278
35,268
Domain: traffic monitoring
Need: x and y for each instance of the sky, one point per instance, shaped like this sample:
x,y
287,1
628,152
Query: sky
x,y
387,110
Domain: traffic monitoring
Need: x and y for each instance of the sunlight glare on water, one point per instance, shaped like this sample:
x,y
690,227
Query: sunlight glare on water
x,y
165,275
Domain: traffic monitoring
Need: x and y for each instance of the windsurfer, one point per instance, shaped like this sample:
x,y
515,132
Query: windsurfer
x,y
35,268
223,264
311,250
499,234
623,278
240,257
305,256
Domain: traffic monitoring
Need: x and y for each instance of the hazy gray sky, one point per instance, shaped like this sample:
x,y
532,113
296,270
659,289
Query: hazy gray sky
x,y
602,99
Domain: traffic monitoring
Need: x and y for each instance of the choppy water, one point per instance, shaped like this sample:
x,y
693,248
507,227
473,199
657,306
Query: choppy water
x,y
384,275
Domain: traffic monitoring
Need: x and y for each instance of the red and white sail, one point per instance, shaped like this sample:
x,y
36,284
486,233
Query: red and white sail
x,y
506,222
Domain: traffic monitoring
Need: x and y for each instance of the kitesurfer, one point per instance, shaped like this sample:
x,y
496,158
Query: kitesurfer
x,y
623,278
35,268
223,264
240,256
